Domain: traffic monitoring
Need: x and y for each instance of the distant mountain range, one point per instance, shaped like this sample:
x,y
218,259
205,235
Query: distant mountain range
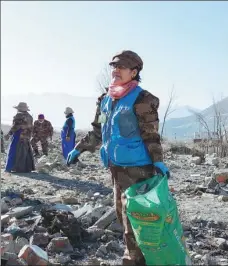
x,y
180,122
186,126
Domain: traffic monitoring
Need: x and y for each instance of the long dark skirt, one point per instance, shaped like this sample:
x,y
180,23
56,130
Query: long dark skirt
x,y
20,156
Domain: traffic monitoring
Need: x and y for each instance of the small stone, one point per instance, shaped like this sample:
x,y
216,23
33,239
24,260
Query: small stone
x,y
192,254
28,191
75,172
207,180
107,202
113,246
19,243
40,229
83,251
102,249
95,232
80,165
62,207
196,219
205,258
96,195
115,227
104,238
200,188
6,240
89,194
39,239
199,244
223,198
4,219
16,262
198,257
210,191
69,200
63,259
196,160
220,242
4,206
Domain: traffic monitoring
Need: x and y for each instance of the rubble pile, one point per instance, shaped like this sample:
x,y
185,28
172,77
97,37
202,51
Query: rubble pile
x,y
61,215
59,233
207,241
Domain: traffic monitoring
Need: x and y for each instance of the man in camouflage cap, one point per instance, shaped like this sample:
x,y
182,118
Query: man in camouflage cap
x,y
126,128
42,130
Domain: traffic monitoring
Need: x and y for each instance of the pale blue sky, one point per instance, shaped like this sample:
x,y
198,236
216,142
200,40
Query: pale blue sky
x,y
62,46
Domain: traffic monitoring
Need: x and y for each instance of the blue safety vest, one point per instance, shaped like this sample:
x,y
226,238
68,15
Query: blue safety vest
x,y
65,126
121,141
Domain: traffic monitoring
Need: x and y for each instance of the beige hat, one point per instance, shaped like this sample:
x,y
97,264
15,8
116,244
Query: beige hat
x,y
22,107
68,111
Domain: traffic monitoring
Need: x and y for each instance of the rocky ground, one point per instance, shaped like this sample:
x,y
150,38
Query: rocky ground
x,y
65,216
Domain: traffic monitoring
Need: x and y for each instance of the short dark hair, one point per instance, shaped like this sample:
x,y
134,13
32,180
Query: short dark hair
x,y
137,77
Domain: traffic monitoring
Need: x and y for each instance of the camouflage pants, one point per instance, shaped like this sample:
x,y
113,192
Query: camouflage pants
x,y
124,177
43,141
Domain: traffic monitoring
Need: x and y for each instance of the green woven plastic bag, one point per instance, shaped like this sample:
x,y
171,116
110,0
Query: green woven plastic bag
x,y
154,218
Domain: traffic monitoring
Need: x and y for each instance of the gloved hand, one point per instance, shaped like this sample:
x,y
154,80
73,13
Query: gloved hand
x,y
161,168
72,156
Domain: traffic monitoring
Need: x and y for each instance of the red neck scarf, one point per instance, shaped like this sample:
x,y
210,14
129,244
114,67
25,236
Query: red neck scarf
x,y
117,92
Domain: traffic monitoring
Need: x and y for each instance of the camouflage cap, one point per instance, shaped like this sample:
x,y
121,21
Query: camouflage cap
x,y
128,59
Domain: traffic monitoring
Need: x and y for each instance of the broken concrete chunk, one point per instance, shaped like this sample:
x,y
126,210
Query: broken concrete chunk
x,y
220,242
6,240
102,251
62,259
113,246
33,255
221,175
106,219
62,207
196,160
39,239
96,195
95,232
16,262
69,200
4,206
85,209
19,212
95,213
115,226
60,244
223,198
212,161
4,219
